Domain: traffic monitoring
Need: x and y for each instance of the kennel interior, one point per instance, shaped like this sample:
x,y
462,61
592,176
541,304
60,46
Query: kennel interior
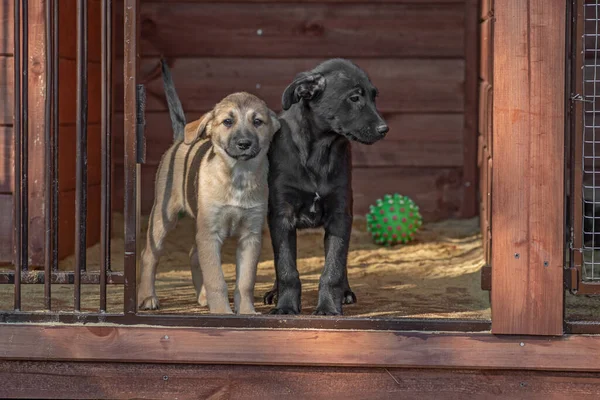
x,y
432,62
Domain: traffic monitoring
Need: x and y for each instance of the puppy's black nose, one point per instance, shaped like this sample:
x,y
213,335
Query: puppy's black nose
x,y
382,129
244,144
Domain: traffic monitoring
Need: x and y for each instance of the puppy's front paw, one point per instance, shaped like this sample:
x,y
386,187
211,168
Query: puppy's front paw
x,y
327,310
148,302
349,297
285,311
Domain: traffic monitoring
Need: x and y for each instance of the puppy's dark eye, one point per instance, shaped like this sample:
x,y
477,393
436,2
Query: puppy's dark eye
x,y
354,98
257,122
228,122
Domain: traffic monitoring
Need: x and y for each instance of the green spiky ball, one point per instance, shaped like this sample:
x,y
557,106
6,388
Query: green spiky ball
x,y
395,219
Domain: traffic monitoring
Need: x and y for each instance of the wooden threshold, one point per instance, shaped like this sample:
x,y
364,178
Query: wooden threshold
x,y
80,380
310,347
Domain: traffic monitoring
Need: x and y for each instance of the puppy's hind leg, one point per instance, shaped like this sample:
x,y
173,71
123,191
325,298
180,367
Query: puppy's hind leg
x,y
158,227
197,277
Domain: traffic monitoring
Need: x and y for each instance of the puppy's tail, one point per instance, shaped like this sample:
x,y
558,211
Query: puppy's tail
x,y
175,108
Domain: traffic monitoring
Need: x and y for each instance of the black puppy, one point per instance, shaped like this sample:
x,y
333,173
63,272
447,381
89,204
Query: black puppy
x,y
310,181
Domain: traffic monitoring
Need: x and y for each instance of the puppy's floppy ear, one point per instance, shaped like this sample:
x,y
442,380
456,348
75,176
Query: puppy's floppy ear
x,y
274,121
306,86
196,129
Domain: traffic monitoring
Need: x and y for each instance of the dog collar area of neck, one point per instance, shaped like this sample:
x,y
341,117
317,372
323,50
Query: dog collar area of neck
x,y
313,208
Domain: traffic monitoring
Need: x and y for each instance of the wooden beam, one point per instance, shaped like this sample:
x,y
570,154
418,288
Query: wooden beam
x,y
25,379
297,347
527,183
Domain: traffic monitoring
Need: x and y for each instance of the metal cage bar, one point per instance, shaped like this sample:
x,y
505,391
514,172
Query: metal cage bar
x,y
18,228
106,148
81,176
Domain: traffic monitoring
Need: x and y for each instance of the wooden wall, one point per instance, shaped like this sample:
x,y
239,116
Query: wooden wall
x,y
421,54
67,135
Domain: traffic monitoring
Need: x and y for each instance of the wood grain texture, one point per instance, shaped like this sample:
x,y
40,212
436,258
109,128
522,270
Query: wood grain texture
x,y
67,90
437,191
7,172
301,30
37,143
414,140
486,9
6,27
6,228
527,195
298,347
25,379
405,85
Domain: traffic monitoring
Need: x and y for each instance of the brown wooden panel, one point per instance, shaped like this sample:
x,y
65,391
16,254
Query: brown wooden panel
x,y
301,30
66,217
404,85
298,347
527,183
67,98
435,190
37,144
7,174
6,90
27,379
6,228
486,53
68,28
67,153
428,140
6,27
423,2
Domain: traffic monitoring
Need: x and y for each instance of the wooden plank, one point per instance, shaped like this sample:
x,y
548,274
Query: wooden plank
x,y
6,90
67,83
6,228
26,379
66,220
427,140
437,191
66,156
469,207
300,30
527,184
6,27
486,59
423,2
37,143
404,85
309,347
7,173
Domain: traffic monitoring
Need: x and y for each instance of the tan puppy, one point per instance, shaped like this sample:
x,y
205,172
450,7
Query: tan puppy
x,y
221,181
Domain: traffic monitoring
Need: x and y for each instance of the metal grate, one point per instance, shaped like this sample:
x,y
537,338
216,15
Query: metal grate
x,y
590,162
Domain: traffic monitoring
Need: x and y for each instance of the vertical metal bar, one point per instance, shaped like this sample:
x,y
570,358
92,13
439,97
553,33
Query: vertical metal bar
x,y
131,36
49,155
17,149
25,136
81,124
105,228
55,123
